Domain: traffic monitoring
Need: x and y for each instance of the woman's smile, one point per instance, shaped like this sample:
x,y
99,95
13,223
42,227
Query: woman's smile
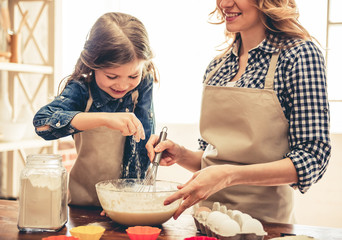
x,y
231,16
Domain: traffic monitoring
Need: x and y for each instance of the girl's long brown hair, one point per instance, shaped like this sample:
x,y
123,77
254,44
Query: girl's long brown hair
x,y
115,39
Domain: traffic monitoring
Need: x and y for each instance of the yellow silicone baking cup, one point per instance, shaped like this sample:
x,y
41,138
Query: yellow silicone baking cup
x,y
87,232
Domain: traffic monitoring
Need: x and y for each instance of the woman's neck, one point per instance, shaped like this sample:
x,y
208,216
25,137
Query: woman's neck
x,y
250,40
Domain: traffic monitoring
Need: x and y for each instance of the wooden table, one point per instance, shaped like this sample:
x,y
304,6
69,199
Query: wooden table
x,y
178,229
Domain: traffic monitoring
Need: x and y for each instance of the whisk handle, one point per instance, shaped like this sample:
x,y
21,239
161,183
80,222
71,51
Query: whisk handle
x,y
162,137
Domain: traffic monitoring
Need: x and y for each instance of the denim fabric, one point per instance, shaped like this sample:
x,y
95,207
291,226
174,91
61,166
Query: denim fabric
x,y
73,100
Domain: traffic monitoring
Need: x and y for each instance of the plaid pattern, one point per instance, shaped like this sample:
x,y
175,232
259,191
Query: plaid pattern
x,y
300,84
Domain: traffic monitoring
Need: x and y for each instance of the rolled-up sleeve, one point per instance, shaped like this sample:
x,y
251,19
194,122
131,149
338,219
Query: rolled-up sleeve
x,y
59,113
309,118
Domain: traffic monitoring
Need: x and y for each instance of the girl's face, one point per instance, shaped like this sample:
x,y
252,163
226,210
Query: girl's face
x,y
117,82
241,16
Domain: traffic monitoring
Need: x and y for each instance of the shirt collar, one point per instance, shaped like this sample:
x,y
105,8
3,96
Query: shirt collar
x,y
100,97
265,45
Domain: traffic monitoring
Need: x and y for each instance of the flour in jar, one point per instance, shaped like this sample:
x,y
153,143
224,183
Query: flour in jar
x,y
40,203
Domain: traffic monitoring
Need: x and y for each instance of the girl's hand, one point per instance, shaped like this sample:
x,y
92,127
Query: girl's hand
x,y
127,123
203,183
171,154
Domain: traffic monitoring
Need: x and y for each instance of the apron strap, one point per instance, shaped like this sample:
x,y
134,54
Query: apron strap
x,y
269,81
89,102
135,96
212,72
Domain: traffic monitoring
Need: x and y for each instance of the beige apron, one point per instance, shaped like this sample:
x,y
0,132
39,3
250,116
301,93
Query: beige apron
x,y
99,157
247,126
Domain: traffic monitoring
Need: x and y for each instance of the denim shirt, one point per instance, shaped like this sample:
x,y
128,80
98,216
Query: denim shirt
x,y
73,100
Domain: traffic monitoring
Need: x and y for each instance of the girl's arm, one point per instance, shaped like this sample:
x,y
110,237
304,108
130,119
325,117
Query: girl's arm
x,y
127,123
53,120
65,116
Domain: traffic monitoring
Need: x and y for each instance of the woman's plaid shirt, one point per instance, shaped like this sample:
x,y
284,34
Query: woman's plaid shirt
x,y
300,84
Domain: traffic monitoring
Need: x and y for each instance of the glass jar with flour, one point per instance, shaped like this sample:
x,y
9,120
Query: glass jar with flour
x,y
43,194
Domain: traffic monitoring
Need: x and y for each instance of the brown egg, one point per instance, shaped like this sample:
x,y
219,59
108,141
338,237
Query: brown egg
x,y
201,209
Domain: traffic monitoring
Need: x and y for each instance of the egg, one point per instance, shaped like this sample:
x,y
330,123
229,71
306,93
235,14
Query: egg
x,y
202,217
227,228
214,218
201,209
252,226
241,218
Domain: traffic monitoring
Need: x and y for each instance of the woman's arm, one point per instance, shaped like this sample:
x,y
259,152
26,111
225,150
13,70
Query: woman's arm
x,y
308,113
212,179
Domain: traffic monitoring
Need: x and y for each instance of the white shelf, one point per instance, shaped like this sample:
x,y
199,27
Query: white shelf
x,y
26,143
28,68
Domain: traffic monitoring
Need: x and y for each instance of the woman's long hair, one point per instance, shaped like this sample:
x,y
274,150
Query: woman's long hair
x,y
280,20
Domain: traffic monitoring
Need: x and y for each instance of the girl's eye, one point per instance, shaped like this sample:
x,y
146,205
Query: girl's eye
x,y
133,77
111,77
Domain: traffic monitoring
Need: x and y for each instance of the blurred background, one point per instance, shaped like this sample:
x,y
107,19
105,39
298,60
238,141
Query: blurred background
x,y
52,34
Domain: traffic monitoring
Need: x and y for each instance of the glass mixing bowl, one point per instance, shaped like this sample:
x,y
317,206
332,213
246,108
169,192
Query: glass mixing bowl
x,y
128,202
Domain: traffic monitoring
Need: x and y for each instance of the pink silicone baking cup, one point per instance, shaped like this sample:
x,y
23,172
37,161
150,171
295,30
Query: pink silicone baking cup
x,y
60,237
143,233
200,238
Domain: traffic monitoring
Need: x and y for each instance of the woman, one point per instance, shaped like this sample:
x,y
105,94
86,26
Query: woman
x,y
264,116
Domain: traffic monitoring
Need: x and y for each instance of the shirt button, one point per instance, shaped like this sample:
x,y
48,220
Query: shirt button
x,y
127,110
58,124
120,100
151,114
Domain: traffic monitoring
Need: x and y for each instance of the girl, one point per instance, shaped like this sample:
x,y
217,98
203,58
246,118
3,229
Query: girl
x,y
106,106
264,117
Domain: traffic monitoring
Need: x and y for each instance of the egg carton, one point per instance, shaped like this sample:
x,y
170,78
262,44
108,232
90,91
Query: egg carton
x,y
231,224
240,236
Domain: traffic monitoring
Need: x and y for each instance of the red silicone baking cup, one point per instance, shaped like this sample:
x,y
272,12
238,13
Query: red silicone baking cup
x,y
60,237
143,233
200,238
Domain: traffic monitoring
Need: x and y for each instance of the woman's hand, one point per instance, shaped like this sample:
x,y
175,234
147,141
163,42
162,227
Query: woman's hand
x,y
172,152
203,183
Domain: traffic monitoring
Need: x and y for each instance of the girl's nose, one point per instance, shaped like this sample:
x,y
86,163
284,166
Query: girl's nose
x,y
122,85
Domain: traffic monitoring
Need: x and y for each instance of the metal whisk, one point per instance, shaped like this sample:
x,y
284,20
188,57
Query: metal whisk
x,y
150,178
